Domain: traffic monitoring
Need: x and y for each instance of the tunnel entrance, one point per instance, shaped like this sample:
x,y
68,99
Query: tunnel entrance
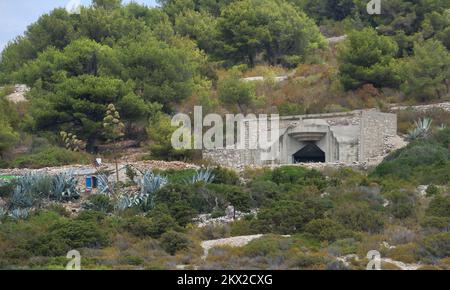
x,y
311,153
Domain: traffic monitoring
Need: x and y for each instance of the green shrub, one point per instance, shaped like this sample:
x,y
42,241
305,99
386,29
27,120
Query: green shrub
x,y
243,227
141,227
443,137
69,235
436,223
128,259
178,176
263,191
298,175
218,212
269,245
438,245
424,160
439,206
59,209
326,230
432,190
288,174
402,204
359,217
235,195
162,221
282,217
225,176
173,242
50,156
407,253
182,212
307,261
193,195
343,247
91,216
99,202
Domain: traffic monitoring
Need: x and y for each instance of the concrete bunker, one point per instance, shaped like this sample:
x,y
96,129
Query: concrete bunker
x,y
311,153
345,137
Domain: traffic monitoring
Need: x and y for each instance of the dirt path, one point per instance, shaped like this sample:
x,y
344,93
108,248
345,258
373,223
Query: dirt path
x,y
238,241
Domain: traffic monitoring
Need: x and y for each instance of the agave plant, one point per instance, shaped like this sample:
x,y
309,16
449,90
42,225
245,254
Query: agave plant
x,y
149,184
421,130
21,199
35,184
20,213
105,186
127,201
204,175
64,187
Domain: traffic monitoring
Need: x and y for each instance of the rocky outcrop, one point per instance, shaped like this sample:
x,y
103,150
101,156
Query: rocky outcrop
x,y
18,95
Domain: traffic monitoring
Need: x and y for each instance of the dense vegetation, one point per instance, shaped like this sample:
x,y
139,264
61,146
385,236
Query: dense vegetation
x,y
328,214
149,63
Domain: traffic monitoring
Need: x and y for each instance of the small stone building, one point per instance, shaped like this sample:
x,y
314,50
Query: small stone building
x,y
347,137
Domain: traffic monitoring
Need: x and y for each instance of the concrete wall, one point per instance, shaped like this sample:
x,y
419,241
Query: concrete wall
x,y
375,126
347,137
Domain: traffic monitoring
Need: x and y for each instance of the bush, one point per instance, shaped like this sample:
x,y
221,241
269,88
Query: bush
x,y
326,230
436,224
48,157
424,161
162,221
173,242
218,212
308,261
288,174
235,195
178,176
263,191
438,245
282,217
225,176
439,206
432,190
59,209
183,201
359,217
407,253
99,202
243,227
91,216
269,245
298,175
343,247
141,227
66,236
402,204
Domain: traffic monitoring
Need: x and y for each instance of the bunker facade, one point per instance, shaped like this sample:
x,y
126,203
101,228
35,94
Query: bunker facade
x,y
347,137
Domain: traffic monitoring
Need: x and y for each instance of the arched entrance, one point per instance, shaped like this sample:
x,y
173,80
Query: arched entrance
x,y
309,154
